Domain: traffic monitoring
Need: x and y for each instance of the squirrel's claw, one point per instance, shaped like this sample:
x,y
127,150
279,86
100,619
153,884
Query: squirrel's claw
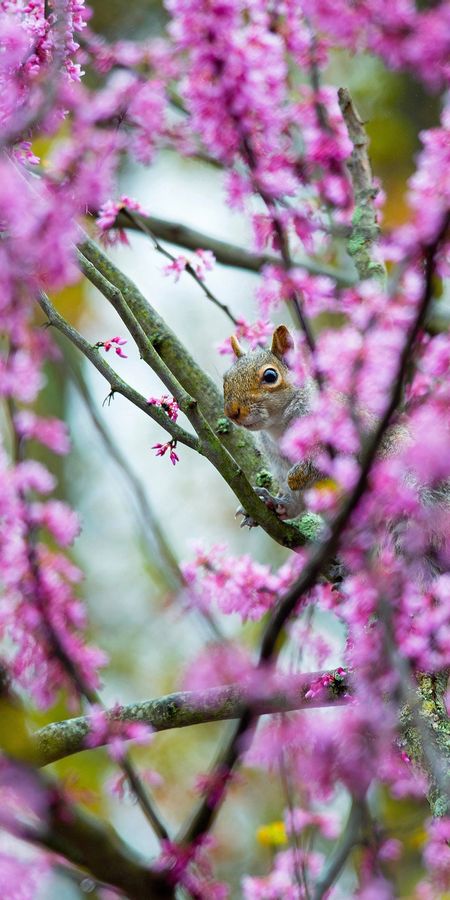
x,y
278,504
247,521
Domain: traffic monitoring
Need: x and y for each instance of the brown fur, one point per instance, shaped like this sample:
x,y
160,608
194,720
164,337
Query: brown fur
x,y
270,409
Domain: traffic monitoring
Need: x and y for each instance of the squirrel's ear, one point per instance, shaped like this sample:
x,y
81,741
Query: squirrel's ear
x,y
237,349
282,341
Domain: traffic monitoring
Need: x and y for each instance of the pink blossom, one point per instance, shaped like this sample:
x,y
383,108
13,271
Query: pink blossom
x,y
176,267
107,216
58,518
116,343
50,432
234,584
204,262
161,449
256,334
170,406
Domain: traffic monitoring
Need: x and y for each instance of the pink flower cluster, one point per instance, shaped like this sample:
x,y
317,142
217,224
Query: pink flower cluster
x,y
235,584
202,262
402,34
116,343
107,216
189,866
161,450
256,334
169,406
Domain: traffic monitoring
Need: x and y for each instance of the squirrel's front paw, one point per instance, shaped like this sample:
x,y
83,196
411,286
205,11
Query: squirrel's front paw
x,y
278,504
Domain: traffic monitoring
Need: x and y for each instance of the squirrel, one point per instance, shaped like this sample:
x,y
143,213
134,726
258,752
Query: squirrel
x,y
261,395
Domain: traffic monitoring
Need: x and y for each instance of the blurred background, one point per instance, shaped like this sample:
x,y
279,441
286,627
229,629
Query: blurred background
x,y
129,586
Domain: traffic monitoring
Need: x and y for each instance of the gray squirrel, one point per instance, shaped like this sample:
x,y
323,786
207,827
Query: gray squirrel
x,y
261,395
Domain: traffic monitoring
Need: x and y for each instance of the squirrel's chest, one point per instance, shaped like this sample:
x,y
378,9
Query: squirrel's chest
x,y
279,464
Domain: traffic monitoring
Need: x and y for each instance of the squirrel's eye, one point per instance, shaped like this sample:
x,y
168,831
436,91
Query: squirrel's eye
x,y
270,376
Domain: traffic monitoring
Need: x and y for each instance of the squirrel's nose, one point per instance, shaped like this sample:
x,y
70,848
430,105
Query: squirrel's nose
x,y
232,410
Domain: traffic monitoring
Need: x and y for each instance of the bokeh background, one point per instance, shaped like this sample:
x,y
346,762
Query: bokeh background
x,y
129,562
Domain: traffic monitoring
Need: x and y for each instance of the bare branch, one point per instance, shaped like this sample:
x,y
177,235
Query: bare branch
x,y
118,386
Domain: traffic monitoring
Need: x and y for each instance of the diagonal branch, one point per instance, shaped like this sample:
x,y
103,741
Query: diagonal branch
x,y
117,384
182,365
137,315
86,842
349,839
203,816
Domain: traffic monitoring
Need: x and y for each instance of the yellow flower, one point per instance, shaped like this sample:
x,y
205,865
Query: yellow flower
x,y
272,835
326,484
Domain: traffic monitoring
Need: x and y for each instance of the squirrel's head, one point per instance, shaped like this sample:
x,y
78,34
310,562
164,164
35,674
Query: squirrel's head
x,y
258,386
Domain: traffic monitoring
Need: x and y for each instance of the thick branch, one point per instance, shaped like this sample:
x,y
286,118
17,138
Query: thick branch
x,y
192,378
186,708
138,316
365,228
227,254
86,842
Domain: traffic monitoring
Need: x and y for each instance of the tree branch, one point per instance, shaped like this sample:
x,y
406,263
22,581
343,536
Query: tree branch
x,y
83,840
227,254
349,838
182,365
138,317
365,229
185,708
203,816
117,384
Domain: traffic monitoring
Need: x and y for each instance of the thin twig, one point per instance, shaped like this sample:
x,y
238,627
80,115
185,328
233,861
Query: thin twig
x,y
349,838
143,227
226,254
117,384
151,529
